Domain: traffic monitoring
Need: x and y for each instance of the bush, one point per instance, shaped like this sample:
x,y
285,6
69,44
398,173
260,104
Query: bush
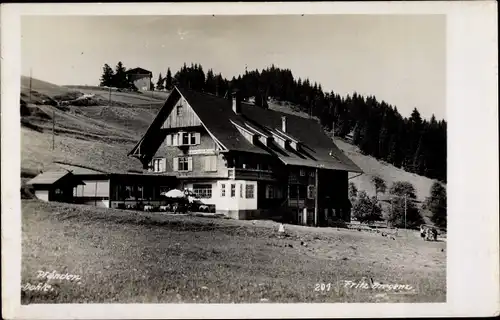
x,y
366,209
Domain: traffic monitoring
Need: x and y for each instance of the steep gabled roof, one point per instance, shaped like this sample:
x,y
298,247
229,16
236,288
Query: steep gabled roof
x,y
218,118
138,71
215,113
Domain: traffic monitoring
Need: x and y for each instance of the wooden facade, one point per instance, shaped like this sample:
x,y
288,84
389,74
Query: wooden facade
x,y
242,184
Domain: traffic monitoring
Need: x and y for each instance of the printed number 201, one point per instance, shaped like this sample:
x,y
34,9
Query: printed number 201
x,y
322,287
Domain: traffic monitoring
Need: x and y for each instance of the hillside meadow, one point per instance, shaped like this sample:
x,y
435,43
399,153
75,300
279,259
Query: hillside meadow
x,y
132,257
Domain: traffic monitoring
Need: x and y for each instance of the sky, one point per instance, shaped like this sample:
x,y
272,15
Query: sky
x,y
400,59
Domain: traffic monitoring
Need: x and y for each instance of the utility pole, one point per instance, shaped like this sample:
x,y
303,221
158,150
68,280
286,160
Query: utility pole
x,y
405,211
53,125
31,78
109,100
316,199
298,208
151,99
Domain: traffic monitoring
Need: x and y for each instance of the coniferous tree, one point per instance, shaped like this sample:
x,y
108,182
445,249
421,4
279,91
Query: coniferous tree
x,y
210,82
107,76
120,79
160,84
168,80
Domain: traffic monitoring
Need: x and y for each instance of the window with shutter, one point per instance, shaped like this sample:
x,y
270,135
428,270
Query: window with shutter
x,y
197,138
210,163
176,164
183,163
175,139
158,165
190,164
169,139
206,166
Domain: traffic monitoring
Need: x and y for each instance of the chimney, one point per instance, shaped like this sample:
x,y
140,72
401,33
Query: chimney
x,y
236,102
283,124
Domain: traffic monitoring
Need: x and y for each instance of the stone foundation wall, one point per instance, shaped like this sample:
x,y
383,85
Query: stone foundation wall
x,y
243,214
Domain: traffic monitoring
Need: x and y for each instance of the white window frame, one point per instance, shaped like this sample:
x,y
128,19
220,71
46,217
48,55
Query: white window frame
x,y
223,190
185,161
249,191
233,190
204,192
158,165
192,138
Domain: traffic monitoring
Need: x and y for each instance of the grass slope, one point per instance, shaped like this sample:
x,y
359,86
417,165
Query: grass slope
x,y
37,153
372,167
43,87
145,257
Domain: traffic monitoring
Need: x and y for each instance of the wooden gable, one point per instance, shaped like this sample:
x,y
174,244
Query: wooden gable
x,y
182,115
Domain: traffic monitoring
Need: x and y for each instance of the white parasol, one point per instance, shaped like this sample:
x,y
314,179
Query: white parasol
x,y
174,193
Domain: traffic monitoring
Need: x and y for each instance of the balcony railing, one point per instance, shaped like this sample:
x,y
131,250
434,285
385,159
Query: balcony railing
x,y
240,173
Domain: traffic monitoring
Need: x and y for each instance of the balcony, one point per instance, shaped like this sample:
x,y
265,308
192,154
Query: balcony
x,y
250,174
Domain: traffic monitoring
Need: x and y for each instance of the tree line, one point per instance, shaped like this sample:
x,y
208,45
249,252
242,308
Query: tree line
x,y
412,143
